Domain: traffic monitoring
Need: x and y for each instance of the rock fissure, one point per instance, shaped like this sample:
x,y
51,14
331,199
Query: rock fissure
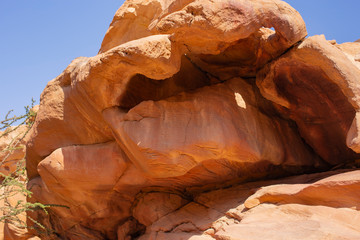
x,y
183,223
202,70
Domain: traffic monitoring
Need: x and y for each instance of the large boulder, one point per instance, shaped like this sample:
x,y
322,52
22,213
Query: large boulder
x,y
155,137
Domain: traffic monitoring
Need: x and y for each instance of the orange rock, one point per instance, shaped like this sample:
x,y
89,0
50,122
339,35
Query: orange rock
x,y
316,85
77,97
220,123
12,148
293,221
147,139
13,197
156,205
74,177
222,213
14,229
198,22
339,191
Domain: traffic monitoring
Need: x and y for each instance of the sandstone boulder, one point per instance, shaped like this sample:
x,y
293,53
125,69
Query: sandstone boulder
x,y
221,124
316,85
157,136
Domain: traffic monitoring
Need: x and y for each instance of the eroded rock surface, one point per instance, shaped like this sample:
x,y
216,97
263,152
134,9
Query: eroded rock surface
x,y
13,183
156,136
12,148
318,69
316,206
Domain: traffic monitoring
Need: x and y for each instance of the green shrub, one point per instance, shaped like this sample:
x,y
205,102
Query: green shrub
x,y
15,182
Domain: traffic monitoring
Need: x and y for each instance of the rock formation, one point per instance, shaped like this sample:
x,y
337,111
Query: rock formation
x,y
189,123
12,148
13,197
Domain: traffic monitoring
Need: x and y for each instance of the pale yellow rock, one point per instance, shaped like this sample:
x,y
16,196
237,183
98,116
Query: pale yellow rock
x,y
293,221
250,203
352,51
325,192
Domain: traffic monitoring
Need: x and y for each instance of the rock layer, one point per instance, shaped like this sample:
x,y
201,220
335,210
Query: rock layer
x,y
186,97
292,208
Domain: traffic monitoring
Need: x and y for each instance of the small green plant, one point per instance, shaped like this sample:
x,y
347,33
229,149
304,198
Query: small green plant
x,y
13,184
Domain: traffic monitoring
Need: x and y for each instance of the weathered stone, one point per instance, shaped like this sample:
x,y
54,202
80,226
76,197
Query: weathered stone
x,y
13,183
338,191
283,211
155,137
221,124
12,148
316,85
156,205
293,221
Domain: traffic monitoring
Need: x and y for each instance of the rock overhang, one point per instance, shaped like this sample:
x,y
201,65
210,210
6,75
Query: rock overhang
x,y
185,94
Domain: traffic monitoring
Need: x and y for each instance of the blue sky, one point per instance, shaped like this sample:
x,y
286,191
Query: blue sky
x,y
39,38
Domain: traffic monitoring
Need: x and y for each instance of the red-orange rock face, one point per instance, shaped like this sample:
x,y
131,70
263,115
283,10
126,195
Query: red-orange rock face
x,y
318,69
186,98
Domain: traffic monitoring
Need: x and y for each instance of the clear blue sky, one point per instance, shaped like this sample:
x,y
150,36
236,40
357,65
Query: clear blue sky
x,y
39,38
